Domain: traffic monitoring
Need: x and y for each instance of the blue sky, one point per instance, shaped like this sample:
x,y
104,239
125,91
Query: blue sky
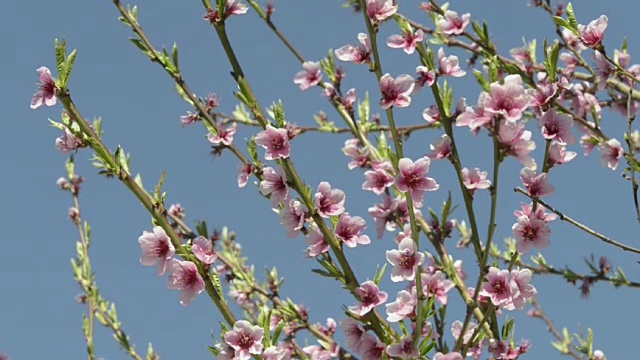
x,y
141,111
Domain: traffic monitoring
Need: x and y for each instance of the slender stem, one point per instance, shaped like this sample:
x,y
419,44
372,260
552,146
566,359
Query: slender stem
x,y
497,160
298,185
552,329
98,146
580,226
415,233
472,306
87,272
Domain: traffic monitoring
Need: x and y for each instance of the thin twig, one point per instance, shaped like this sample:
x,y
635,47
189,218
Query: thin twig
x,y
584,228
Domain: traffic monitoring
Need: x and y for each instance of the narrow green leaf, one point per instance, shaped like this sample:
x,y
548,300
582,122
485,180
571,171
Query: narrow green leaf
x,y
571,17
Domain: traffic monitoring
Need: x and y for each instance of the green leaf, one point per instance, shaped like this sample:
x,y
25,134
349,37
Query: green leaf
x,y
214,351
277,331
278,114
68,68
482,81
552,60
364,109
507,328
61,57
174,54
571,17
201,228
379,274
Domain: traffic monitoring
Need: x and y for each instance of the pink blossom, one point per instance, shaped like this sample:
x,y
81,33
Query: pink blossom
x,y
68,142
275,141
476,117
611,153
436,285
537,185
396,92
349,99
274,185
475,179
431,114
349,229
244,172
235,7
498,287
292,217
330,329
317,243
407,42
452,23
245,339
603,69
226,352
572,40
588,143
404,349
46,93
329,202
190,118
224,136
212,102
509,99
557,127
449,65
384,215
530,232
598,355
310,76
186,278
379,179
540,213
202,248
458,266
405,260
558,154
403,307
521,280
449,356
370,296
176,210
441,149
380,10
371,348
425,77
543,93
157,249
592,34
274,353
516,141
354,333
359,54
359,156
456,329
316,352
413,178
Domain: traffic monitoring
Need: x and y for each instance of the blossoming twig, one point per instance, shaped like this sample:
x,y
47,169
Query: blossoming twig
x,y
580,226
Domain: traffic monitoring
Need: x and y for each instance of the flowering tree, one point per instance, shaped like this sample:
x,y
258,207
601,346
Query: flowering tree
x,y
519,96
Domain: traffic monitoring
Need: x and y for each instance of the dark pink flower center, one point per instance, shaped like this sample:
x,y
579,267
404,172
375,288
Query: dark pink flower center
x,y
413,180
277,143
245,341
48,88
499,287
528,233
407,259
161,249
368,297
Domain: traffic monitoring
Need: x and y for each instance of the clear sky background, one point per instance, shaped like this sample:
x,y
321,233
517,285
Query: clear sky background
x,y
39,317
